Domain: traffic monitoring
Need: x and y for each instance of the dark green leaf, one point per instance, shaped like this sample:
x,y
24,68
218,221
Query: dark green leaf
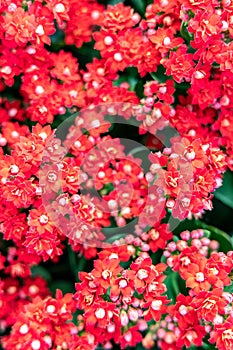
x,y
38,270
225,193
172,285
139,89
139,6
129,75
184,32
57,39
229,288
76,263
114,2
65,286
160,75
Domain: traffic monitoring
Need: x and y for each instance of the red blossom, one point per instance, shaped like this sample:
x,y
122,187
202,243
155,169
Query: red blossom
x,y
180,65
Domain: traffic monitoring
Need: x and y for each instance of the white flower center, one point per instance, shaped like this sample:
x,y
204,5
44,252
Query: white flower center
x,y
15,134
156,304
40,30
50,309
100,313
118,57
52,177
14,169
106,274
142,274
6,70
95,15
59,8
44,219
183,310
128,336
227,334
23,329
12,112
35,344
123,283
39,90
108,40
166,41
200,277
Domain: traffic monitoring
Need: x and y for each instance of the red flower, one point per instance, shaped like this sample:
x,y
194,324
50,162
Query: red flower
x,y
196,277
217,269
13,131
209,304
12,166
100,314
65,67
43,331
192,150
10,67
205,24
182,310
122,288
142,273
164,40
222,335
31,149
106,271
83,19
19,191
19,26
39,219
191,336
157,308
180,65
15,229
60,9
45,245
131,337
158,237
70,176
119,17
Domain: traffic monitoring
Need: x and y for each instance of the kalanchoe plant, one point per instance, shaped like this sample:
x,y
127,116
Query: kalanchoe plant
x,y
116,159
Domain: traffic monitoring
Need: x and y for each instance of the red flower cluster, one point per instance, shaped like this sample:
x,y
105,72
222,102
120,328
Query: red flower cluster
x,y
170,69
43,324
107,295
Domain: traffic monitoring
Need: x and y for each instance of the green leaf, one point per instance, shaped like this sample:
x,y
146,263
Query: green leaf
x,y
182,86
139,89
225,193
229,288
114,2
129,75
65,286
184,32
57,39
38,270
172,285
160,75
204,346
139,6
76,263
